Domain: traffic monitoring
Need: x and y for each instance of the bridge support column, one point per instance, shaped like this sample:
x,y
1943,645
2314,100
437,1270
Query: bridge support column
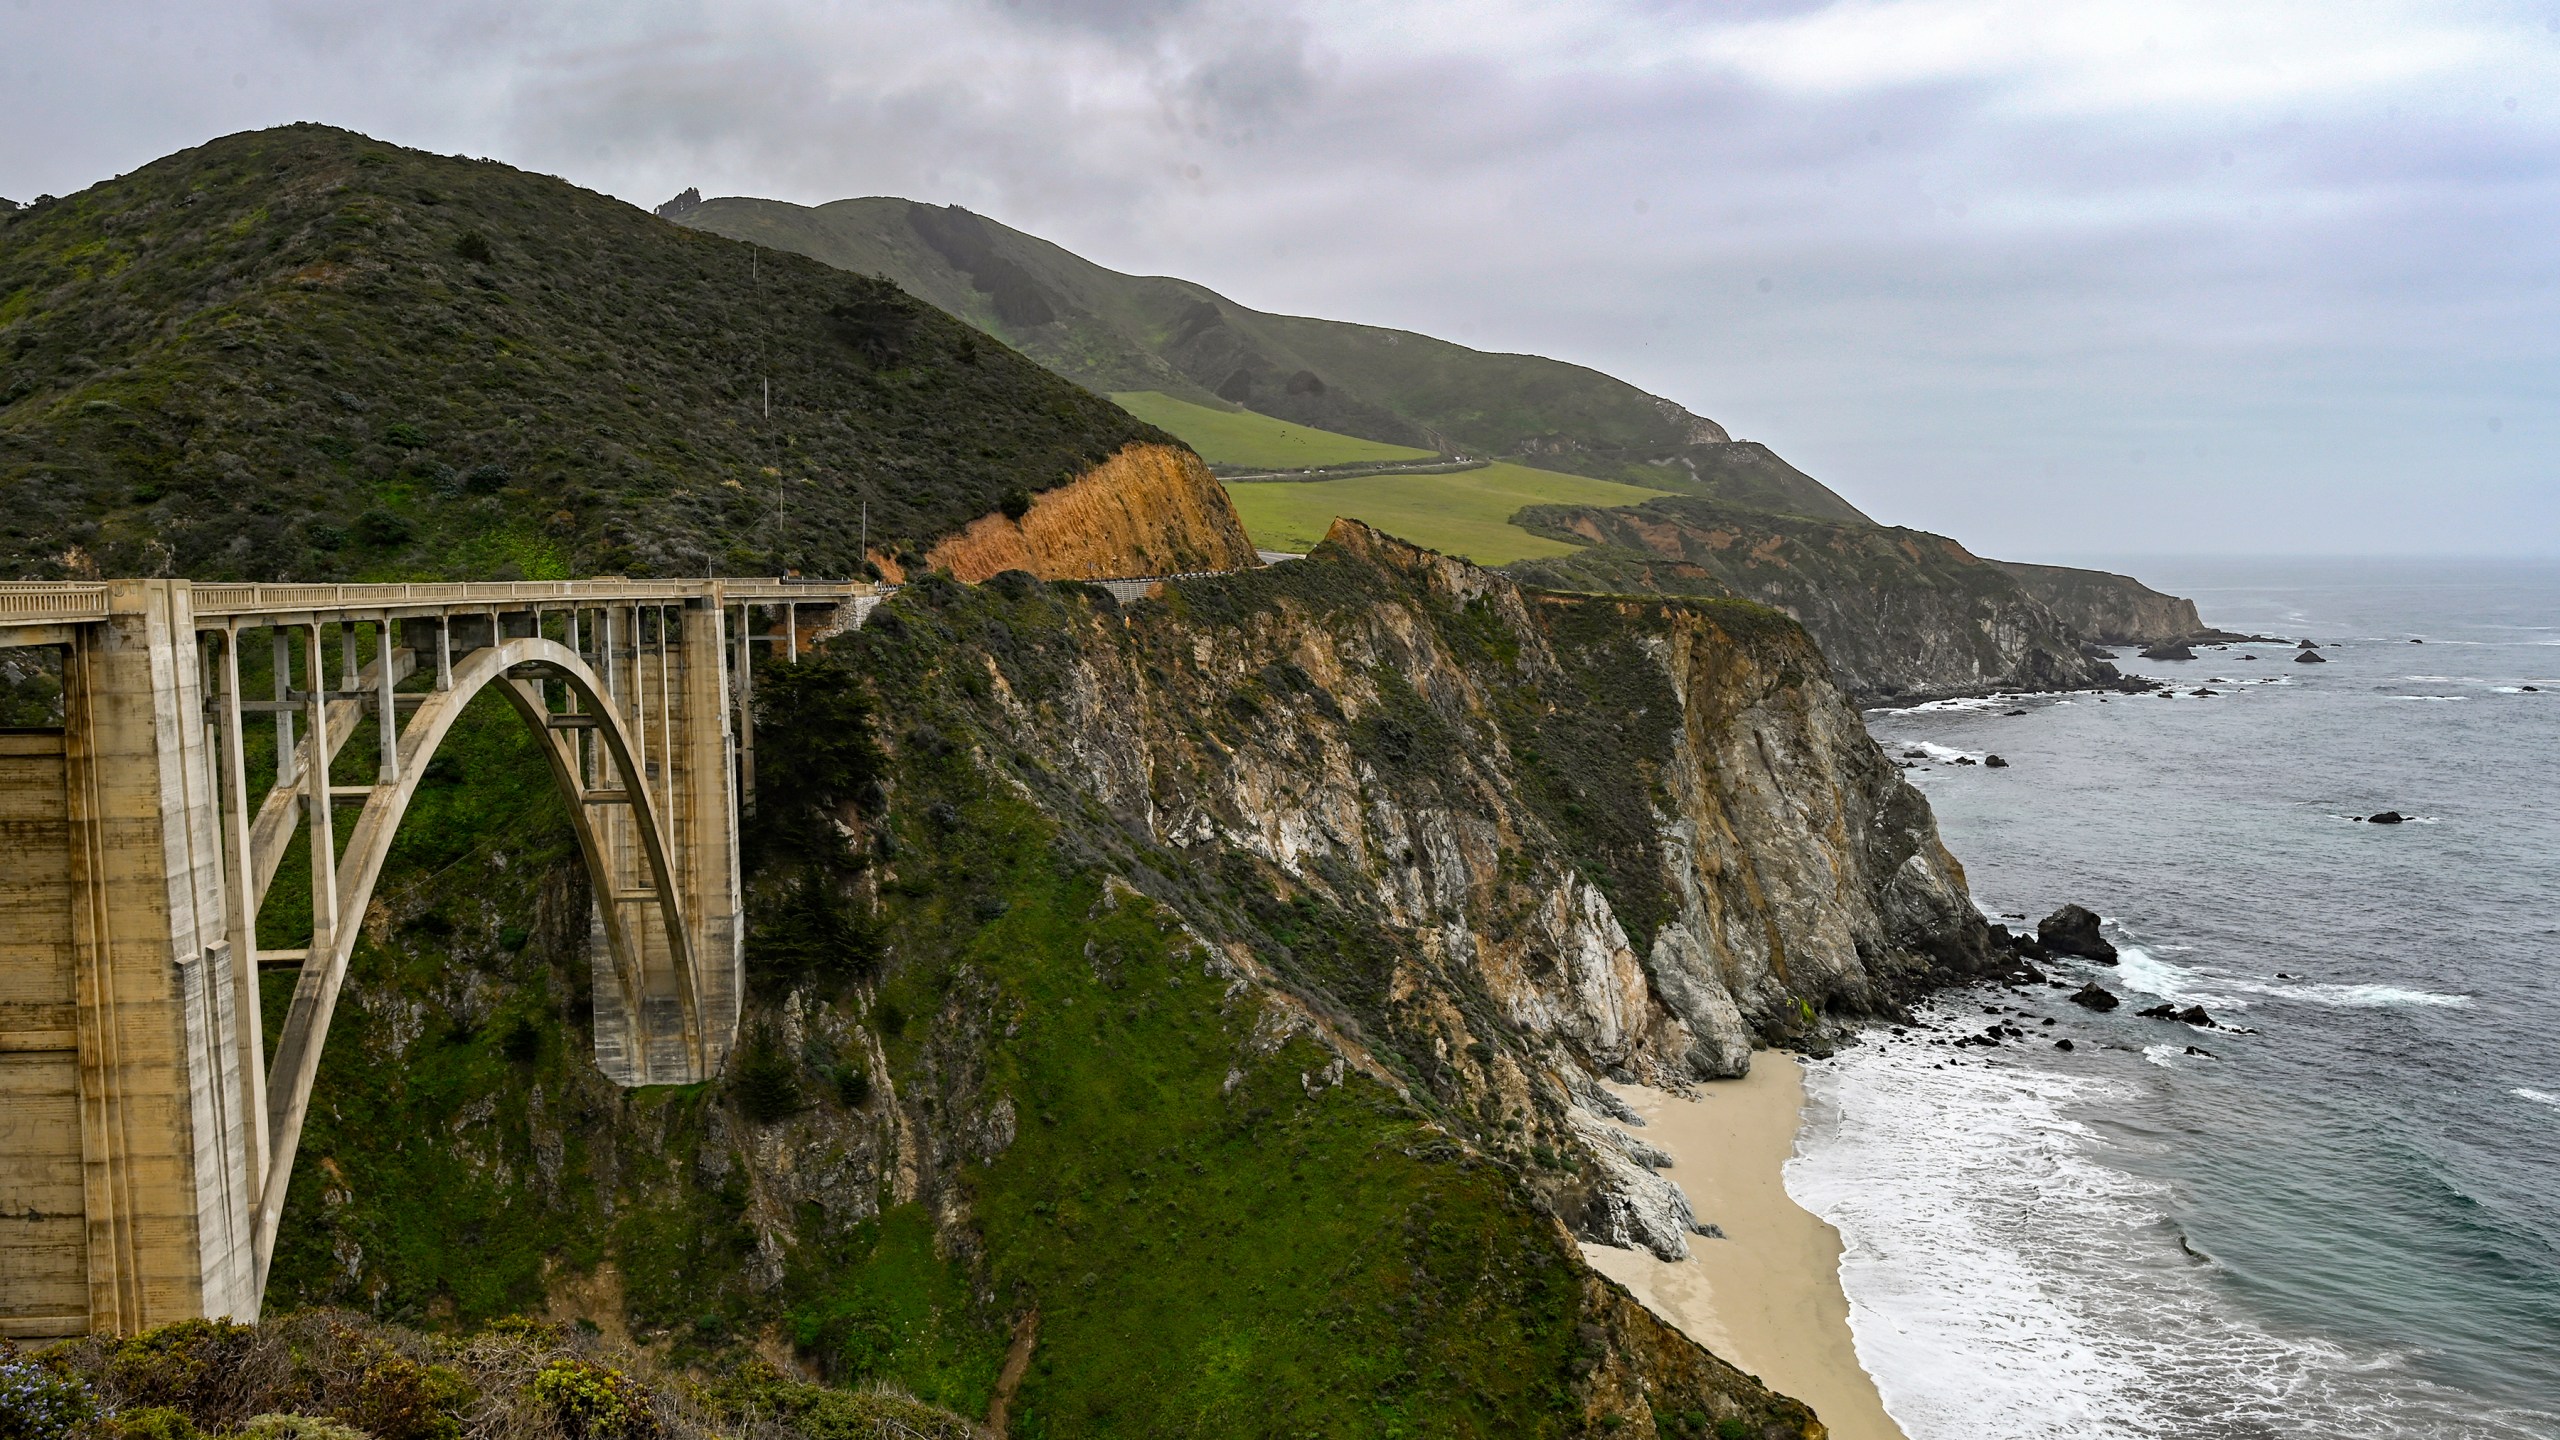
x,y
674,691
154,1130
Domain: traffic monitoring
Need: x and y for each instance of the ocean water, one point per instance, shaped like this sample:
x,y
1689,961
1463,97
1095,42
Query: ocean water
x,y
2343,1220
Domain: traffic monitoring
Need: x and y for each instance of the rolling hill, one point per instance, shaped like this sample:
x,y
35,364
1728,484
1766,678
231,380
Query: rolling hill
x,y
301,353
1118,333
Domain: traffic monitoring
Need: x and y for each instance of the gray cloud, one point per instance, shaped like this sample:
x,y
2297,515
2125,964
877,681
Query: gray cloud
x,y
2164,276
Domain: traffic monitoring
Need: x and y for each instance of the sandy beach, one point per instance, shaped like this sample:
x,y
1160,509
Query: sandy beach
x,y
1767,1296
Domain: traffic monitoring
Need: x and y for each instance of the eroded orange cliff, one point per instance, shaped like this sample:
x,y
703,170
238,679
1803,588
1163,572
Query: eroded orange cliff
x,y
1148,510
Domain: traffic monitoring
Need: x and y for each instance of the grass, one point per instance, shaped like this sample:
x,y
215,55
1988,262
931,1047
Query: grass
x,y
1242,437
1467,513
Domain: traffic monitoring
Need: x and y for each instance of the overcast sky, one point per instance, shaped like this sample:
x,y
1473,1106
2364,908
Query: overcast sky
x,y
2059,277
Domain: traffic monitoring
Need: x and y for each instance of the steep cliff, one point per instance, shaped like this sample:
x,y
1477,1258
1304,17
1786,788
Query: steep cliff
x,y
1172,1020
1900,614
2111,609
1148,510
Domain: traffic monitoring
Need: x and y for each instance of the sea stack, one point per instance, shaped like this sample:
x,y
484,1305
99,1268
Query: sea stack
x,y
2073,930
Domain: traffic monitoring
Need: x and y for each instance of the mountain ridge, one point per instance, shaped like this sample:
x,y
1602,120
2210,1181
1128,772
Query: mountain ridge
x,y
1112,331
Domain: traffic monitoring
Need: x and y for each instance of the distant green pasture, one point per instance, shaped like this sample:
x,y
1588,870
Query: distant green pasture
x,y
1242,437
1467,513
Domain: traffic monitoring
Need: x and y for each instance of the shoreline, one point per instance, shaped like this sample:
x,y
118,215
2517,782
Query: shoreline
x,y
1767,1297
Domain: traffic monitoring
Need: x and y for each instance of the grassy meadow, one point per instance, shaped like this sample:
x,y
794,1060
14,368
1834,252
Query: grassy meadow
x,y
1242,437
1466,513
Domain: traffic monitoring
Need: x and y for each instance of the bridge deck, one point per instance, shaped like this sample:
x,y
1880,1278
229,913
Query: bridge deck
x,y
41,612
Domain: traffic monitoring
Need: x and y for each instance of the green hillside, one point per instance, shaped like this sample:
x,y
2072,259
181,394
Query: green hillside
x,y
301,353
1116,333
1464,513
1225,436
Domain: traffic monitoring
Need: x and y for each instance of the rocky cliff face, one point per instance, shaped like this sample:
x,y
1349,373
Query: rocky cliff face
x,y
1148,510
1900,614
1180,1019
2110,609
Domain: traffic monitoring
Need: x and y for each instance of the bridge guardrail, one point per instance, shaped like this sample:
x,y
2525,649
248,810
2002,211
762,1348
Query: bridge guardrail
x,y
51,602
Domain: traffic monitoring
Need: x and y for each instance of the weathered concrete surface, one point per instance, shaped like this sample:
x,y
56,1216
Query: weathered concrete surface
x,y
145,1147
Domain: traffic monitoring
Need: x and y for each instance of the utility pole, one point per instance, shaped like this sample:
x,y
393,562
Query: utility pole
x,y
862,557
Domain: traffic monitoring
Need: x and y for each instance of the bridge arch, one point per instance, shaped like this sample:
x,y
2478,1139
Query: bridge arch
x,y
620,819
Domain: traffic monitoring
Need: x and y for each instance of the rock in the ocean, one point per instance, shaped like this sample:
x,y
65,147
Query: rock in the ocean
x,y
2195,1015
2310,657
1994,762
2417,642
2248,657
2304,645
2061,1044
2013,714
2073,930
1964,759
2530,689
2095,996
2162,1011
2387,817
2168,650
2200,1050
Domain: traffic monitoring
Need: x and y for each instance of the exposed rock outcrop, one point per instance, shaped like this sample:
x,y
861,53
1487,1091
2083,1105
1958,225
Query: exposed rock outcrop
x,y
1900,614
1148,510
2073,930
2111,609
1598,836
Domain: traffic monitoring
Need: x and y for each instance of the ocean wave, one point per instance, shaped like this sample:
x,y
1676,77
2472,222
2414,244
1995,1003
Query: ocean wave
x,y
2430,697
1960,704
1943,754
2361,997
2163,1055
2007,1282
2538,1097
2141,968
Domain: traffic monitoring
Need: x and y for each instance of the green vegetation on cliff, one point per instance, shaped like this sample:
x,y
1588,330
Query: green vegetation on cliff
x,y
300,353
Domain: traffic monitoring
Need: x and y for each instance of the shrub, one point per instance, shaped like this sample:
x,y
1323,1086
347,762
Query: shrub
x,y
383,530
768,1084
36,1402
150,1422
811,932
593,1402
385,1394
1016,503
298,1427
216,1371
473,246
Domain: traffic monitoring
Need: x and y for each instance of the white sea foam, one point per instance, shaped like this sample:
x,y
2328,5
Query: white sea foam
x,y
2538,1097
2141,968
1943,754
2430,697
2006,1281
2163,1055
2362,997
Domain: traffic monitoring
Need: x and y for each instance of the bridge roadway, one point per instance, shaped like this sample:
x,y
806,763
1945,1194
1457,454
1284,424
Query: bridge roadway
x,y
146,1138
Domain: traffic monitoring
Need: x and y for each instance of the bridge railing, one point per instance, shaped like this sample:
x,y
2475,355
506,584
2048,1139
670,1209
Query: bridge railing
x,y
47,602
223,601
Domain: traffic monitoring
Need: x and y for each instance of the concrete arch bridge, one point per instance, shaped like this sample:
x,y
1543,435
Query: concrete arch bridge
x,y
146,1137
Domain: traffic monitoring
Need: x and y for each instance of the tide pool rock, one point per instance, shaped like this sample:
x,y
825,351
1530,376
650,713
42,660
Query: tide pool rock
x,y
2095,996
2073,930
